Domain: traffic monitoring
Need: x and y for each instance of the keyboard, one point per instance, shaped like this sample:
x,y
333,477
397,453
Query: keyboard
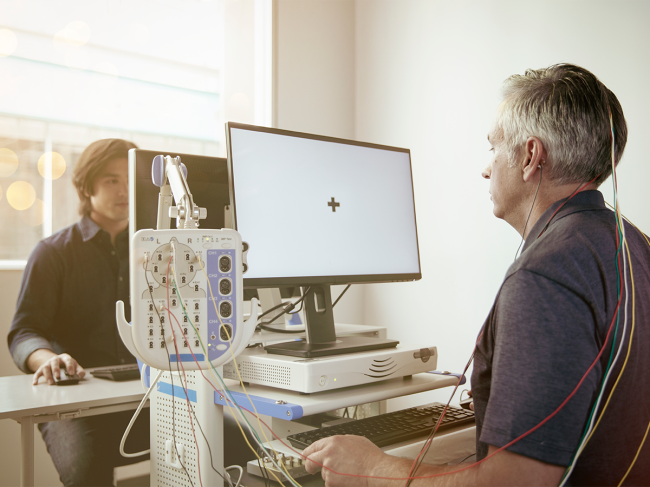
x,y
390,428
116,372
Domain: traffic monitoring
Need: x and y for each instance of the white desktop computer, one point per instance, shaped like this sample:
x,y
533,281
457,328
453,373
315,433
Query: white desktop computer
x,y
320,374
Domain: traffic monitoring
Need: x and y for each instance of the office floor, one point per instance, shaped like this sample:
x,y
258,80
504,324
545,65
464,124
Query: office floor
x,y
134,482
135,475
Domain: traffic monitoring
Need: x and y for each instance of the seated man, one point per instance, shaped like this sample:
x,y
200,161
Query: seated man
x,y
65,319
572,301
65,315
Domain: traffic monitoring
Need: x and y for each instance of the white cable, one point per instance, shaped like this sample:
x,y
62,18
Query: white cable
x,y
144,386
135,416
259,443
611,369
241,473
250,429
237,407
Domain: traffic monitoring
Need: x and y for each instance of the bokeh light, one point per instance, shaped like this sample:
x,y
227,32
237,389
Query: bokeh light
x,y
58,165
35,214
21,195
75,34
138,35
8,162
8,42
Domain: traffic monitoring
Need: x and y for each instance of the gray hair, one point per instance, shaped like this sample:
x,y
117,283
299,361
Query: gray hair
x,y
567,108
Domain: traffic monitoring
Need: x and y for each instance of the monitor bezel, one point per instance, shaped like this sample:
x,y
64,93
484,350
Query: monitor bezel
x,y
266,282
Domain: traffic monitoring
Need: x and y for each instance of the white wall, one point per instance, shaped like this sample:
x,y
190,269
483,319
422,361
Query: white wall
x,y
315,67
427,78
314,75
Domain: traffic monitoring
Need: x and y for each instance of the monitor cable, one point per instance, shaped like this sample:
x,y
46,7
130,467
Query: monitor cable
x,y
288,308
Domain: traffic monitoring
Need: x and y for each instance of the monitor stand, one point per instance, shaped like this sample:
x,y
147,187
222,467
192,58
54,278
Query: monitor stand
x,y
321,338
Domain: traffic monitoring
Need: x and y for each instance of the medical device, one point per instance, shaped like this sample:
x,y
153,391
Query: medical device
x,y
186,294
192,274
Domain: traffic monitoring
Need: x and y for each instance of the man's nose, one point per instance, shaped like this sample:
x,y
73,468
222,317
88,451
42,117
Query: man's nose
x,y
487,172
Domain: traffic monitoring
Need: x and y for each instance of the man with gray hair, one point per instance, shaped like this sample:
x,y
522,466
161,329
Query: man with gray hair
x,y
561,378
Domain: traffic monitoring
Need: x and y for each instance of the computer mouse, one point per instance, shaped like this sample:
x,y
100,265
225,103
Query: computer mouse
x,y
66,380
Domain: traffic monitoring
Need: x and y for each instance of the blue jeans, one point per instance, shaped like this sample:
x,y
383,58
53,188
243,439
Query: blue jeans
x,y
86,450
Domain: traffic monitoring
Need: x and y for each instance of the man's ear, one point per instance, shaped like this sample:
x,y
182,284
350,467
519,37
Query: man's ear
x,y
534,158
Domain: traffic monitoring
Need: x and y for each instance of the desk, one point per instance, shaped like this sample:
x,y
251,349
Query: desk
x,y
30,405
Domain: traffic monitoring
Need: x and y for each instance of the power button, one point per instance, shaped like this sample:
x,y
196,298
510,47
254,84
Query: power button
x,y
322,381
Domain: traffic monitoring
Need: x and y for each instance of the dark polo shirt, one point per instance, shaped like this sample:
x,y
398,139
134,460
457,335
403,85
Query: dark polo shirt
x,y
67,297
548,323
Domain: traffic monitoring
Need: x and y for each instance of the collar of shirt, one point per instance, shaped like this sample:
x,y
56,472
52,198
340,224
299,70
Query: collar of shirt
x,y
88,228
585,200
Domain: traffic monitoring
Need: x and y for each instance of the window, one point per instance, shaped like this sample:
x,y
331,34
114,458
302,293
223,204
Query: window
x,y
73,71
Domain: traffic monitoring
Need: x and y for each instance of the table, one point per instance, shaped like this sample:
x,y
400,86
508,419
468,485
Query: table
x,y
30,405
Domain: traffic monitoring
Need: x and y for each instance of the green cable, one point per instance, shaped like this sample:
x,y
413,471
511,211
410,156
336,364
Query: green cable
x,y
206,355
223,384
618,317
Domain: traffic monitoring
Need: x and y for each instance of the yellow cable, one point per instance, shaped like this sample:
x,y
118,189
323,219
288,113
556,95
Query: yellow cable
x,y
213,373
241,381
630,222
235,362
648,428
619,215
628,350
635,457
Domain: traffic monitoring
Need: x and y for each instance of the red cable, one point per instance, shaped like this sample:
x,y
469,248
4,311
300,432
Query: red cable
x,y
565,202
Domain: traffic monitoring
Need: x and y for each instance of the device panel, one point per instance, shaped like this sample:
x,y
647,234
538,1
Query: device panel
x,y
186,284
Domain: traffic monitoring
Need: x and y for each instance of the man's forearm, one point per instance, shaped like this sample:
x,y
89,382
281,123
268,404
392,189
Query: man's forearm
x,y
504,469
399,468
38,358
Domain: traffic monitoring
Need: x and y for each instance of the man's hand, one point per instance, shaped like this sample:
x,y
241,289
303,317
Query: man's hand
x,y
47,364
347,454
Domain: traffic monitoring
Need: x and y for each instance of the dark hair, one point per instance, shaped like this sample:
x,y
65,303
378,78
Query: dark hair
x,y
568,108
91,162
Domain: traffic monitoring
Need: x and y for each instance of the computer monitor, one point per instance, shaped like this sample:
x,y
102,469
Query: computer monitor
x,y
318,211
207,178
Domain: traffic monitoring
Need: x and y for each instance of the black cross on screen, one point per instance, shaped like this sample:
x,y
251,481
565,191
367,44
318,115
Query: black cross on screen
x,y
333,204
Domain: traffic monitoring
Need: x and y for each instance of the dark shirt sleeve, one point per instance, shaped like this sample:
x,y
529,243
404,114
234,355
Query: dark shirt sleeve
x,y
38,301
545,340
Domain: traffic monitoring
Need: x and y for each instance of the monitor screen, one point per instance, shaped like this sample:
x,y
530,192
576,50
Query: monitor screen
x,y
318,211
321,210
207,178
